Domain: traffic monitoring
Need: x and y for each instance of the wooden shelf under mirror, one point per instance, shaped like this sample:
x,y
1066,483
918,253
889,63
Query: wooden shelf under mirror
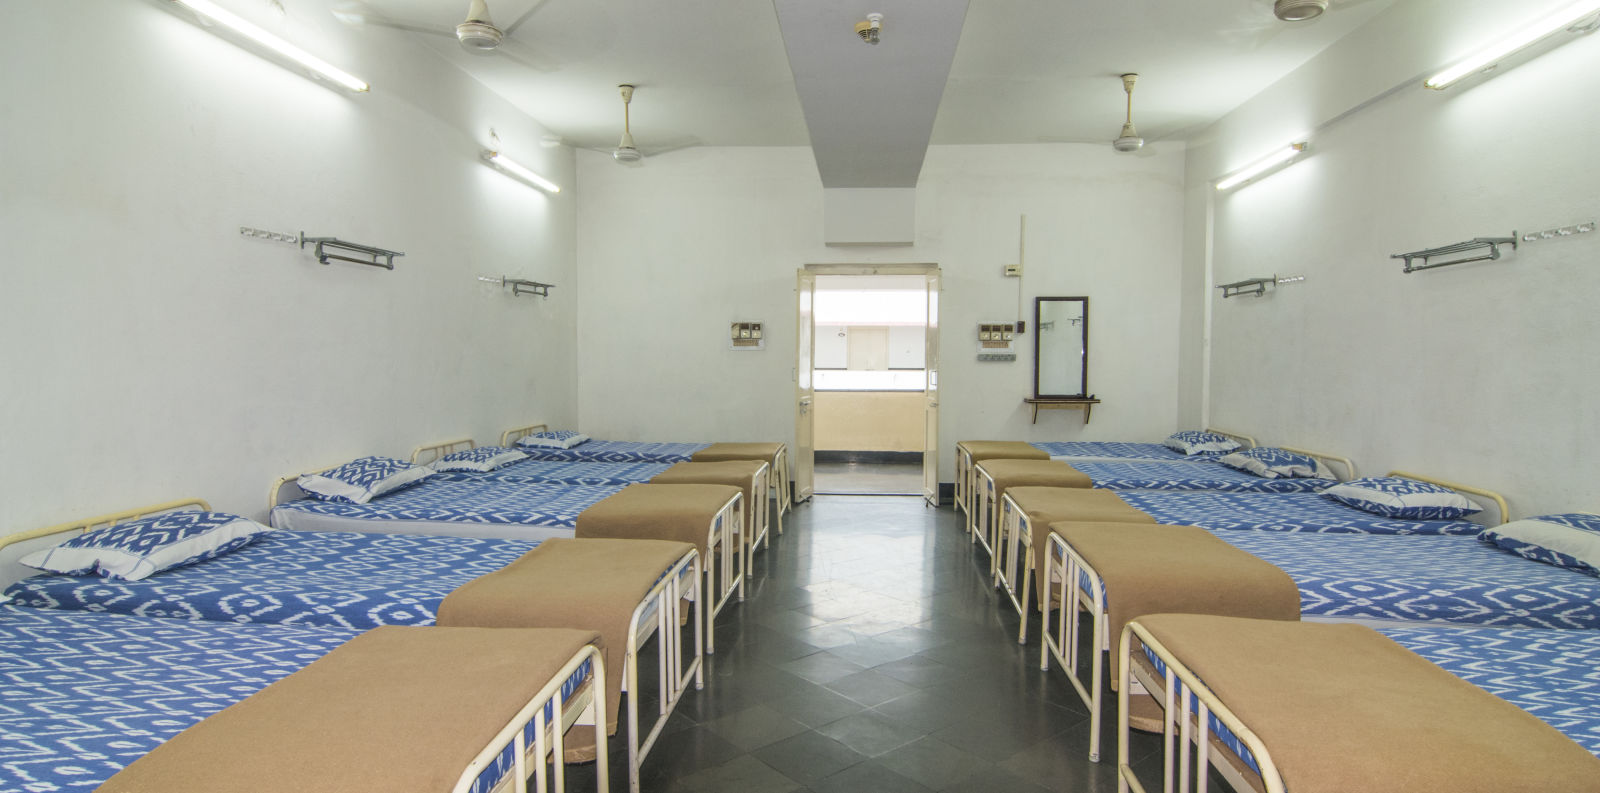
x,y
1084,404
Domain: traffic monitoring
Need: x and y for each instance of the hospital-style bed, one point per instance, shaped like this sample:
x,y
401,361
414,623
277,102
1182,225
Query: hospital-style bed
x,y
751,476
1309,707
510,510
970,453
630,592
143,704
776,454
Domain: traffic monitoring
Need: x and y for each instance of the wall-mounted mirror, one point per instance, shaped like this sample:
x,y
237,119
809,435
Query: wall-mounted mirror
x,y
1061,347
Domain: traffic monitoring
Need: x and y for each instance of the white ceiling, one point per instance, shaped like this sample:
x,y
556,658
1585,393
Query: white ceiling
x,y
717,72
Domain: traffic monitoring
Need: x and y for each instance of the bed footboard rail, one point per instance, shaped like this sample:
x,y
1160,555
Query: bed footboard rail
x,y
588,707
660,613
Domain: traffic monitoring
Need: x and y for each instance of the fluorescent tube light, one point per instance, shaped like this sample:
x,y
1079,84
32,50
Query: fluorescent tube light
x,y
516,169
1488,56
238,25
1263,165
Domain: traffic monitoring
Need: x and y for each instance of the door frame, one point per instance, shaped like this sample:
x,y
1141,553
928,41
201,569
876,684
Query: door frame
x,y
805,445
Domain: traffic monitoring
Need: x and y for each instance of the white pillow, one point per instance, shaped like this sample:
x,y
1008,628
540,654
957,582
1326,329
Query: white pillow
x,y
1272,463
1198,442
480,459
1567,540
141,548
563,439
1406,499
359,481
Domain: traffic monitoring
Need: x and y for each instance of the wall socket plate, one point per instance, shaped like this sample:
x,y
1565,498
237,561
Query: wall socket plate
x,y
1013,271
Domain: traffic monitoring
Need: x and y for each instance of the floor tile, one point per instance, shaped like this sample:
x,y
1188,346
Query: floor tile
x,y
755,727
868,777
872,733
809,756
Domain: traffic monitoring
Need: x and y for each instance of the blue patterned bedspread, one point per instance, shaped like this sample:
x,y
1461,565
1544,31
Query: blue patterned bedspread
x,y
84,695
1437,579
619,452
1297,512
476,501
1555,675
1189,476
564,472
355,580
1113,450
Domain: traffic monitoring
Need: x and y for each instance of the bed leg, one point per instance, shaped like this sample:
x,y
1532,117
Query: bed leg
x,y
700,643
1022,595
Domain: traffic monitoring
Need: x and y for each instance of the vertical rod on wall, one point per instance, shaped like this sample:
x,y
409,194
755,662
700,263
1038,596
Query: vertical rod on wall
x,y
1022,272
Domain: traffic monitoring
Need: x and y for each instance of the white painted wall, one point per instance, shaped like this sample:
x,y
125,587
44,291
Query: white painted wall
x,y
1482,373
694,238
151,353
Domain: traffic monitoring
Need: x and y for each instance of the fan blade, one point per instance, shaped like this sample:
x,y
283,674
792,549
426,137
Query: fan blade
x,y
526,15
358,13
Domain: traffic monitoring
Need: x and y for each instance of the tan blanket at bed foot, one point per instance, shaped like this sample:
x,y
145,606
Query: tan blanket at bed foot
x,y
734,473
1032,473
593,584
1342,708
722,452
1178,569
1046,505
1002,450
394,710
681,513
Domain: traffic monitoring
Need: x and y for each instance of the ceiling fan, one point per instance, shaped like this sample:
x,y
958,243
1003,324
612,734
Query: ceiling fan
x,y
477,33
1129,140
1265,19
625,152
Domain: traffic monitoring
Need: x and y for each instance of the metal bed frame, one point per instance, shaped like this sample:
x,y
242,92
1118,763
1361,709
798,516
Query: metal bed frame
x,y
1178,686
725,564
1063,567
1015,531
759,517
658,613
966,475
778,486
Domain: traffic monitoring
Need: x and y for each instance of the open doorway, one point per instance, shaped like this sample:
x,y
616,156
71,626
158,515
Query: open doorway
x,y
868,411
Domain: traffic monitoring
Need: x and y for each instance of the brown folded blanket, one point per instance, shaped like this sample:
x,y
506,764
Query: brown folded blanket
x,y
1002,450
1046,505
1342,708
1032,473
593,584
1161,569
393,710
721,452
681,513
734,473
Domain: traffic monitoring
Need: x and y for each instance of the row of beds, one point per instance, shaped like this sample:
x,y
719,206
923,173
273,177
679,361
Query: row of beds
x,y
1224,647
306,648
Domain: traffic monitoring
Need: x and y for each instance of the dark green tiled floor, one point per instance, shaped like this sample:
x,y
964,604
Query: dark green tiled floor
x,y
871,655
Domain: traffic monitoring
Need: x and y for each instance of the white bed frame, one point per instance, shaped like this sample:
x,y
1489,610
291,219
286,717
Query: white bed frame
x,y
658,613
1017,535
966,474
778,471
587,707
1179,686
1063,566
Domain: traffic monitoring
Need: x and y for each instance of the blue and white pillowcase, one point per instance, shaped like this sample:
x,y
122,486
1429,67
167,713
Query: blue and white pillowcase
x,y
1271,463
141,548
362,480
480,459
1569,539
562,439
1198,442
1407,499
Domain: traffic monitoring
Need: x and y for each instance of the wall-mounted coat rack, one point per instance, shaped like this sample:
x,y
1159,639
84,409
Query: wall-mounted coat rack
x,y
1256,287
520,286
324,243
1490,244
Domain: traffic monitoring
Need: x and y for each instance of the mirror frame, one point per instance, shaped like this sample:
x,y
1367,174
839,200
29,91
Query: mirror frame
x,y
1038,337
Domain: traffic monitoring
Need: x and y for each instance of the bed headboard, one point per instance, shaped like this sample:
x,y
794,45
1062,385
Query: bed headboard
x,y
511,436
1244,440
1342,467
16,546
434,451
1488,499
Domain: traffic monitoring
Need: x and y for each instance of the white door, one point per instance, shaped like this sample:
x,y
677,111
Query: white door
x,y
805,446
930,430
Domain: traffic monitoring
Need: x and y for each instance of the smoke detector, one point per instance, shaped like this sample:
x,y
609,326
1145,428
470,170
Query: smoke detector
x,y
1299,10
1129,140
868,30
